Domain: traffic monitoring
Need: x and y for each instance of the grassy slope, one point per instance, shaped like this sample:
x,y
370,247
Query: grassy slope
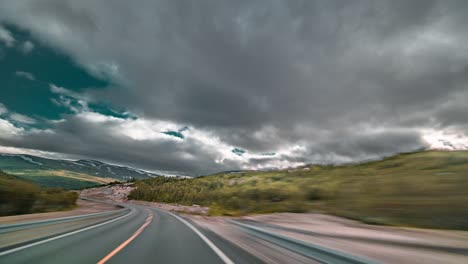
x,y
60,182
425,189
19,196
60,178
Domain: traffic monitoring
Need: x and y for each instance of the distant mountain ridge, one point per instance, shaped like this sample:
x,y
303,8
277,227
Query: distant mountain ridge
x,y
13,162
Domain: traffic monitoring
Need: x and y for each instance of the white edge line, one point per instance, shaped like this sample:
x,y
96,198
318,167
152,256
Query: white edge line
x,y
218,251
53,220
62,236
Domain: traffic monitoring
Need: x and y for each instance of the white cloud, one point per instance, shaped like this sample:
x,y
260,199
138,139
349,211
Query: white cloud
x,y
61,90
151,130
6,37
106,70
8,130
144,129
135,129
22,119
97,118
45,154
76,102
26,75
446,140
27,47
3,109
65,92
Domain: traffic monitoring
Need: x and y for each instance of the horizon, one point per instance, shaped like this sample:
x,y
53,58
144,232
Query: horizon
x,y
170,174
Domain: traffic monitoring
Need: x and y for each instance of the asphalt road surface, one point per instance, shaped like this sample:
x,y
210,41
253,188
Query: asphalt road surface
x,y
145,235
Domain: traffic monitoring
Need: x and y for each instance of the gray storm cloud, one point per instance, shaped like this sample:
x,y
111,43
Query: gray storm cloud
x,y
347,80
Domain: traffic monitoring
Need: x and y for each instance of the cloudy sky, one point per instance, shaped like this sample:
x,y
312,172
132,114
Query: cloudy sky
x,y
196,87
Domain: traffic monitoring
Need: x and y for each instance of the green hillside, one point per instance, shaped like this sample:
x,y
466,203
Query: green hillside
x,y
424,189
19,196
60,182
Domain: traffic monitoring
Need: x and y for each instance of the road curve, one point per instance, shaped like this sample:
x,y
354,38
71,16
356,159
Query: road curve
x,y
145,235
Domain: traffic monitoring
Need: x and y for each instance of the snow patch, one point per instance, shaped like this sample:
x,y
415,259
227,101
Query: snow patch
x,y
28,159
110,170
77,163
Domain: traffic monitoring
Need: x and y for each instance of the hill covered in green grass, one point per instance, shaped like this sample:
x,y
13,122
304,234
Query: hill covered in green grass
x,y
423,189
20,196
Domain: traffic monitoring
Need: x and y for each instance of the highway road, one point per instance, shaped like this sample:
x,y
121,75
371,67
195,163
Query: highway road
x,y
145,235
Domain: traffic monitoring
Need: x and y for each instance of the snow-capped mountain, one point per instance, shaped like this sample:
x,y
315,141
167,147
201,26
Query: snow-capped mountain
x,y
90,167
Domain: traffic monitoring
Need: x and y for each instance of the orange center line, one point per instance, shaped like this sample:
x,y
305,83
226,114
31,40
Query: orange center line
x,y
124,244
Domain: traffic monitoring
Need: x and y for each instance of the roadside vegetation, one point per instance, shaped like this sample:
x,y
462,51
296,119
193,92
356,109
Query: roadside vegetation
x,y
60,182
20,196
423,189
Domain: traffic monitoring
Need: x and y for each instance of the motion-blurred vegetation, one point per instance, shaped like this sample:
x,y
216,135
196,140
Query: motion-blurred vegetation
x,y
19,196
423,189
60,182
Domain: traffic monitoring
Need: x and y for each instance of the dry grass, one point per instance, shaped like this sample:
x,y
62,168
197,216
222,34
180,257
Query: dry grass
x,y
424,189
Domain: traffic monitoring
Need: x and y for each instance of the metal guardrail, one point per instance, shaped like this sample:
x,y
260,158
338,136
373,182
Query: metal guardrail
x,y
34,224
318,253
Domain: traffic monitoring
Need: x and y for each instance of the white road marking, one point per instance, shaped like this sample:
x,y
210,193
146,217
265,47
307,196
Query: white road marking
x,y
62,236
218,251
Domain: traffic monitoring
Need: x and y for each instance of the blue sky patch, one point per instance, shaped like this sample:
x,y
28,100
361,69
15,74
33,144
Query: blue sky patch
x,y
238,151
26,77
174,134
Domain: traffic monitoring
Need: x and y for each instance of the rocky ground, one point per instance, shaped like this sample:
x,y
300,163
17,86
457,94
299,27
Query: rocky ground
x,y
194,209
111,193
119,193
